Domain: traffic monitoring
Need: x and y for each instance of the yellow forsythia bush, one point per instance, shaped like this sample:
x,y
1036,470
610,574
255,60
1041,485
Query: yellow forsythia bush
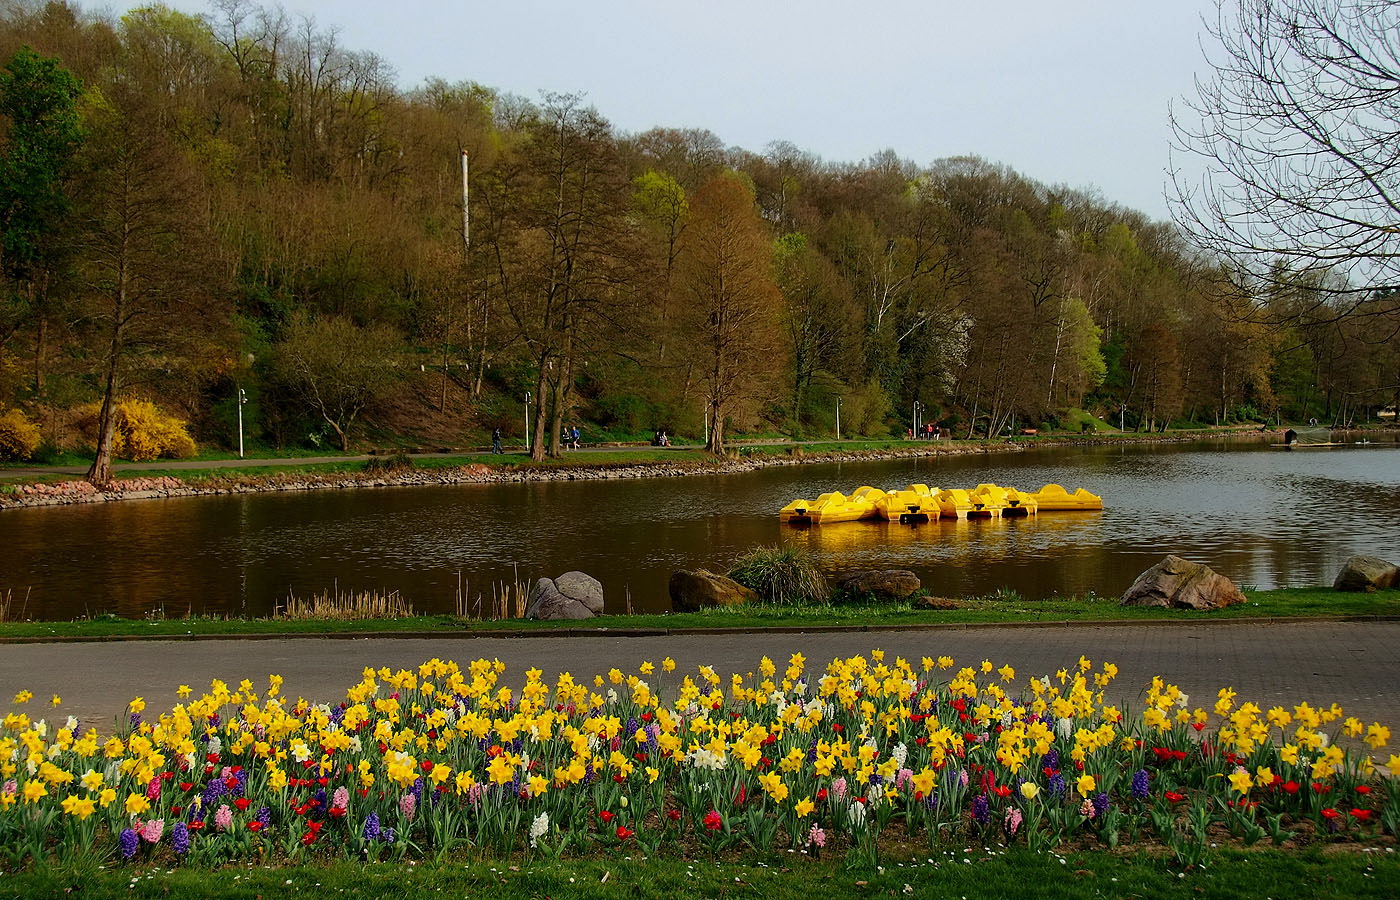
x,y
19,437
143,432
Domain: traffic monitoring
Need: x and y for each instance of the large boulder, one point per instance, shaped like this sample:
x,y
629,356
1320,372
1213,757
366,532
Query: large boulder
x,y
1367,573
882,584
1181,584
582,587
548,602
694,591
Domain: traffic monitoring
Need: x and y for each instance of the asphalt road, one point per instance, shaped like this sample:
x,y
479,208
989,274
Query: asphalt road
x,y
1352,663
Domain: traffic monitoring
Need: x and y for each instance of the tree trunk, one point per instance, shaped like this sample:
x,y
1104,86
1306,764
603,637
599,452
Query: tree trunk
x,y
39,342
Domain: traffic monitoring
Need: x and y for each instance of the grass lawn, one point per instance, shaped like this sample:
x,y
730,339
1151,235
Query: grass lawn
x,y
993,609
971,873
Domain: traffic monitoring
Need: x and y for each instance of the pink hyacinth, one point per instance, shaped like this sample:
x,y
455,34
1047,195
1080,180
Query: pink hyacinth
x,y
902,776
151,830
474,794
11,787
341,798
153,789
408,805
1013,820
816,836
838,788
223,817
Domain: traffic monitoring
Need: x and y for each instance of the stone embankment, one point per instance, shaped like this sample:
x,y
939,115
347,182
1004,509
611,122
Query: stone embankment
x,y
211,484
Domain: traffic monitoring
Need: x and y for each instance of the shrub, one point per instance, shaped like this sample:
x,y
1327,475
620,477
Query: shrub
x,y
144,432
379,465
19,437
782,575
141,431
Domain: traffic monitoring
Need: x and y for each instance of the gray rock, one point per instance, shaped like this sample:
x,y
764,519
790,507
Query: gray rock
x,y
547,603
1181,584
1367,573
582,587
693,591
882,584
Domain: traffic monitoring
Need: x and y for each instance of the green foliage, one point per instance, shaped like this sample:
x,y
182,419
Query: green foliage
x,y
19,437
39,98
781,575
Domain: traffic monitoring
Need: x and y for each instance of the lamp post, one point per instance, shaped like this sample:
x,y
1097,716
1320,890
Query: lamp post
x,y
528,397
838,417
242,399
917,406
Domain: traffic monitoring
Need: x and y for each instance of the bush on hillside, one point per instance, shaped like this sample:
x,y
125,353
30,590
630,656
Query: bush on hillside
x,y
19,437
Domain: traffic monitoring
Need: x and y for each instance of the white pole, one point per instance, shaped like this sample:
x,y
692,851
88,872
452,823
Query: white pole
x,y
241,400
707,426
528,395
838,418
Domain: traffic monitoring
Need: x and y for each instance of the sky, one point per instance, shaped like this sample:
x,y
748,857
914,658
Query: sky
x,y
1072,92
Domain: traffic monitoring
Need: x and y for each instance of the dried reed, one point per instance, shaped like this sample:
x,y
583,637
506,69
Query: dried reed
x,y
346,606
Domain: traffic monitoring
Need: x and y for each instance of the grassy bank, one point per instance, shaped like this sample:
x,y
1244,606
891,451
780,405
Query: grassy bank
x,y
971,874
1001,608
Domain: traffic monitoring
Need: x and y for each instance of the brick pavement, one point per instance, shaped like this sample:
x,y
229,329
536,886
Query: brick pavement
x,y
1353,663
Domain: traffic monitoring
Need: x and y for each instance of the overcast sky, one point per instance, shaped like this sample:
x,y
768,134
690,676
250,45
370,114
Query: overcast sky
x,y
1069,92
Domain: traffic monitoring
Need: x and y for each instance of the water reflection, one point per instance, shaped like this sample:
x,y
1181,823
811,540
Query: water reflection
x,y
1263,517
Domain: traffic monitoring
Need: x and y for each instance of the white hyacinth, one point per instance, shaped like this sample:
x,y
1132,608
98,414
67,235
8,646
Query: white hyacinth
x,y
539,828
857,814
899,754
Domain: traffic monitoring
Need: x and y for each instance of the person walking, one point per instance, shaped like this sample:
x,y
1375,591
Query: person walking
x,y
576,437
496,441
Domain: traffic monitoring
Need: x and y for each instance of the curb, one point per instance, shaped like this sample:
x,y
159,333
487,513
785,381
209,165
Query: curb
x,y
520,633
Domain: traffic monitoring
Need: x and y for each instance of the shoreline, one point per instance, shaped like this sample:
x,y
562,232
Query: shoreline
x,y
77,491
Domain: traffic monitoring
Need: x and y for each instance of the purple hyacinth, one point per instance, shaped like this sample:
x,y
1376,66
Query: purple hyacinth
x,y
264,816
1057,786
387,835
338,714
242,776
129,841
1141,784
213,791
931,801
180,838
981,809
1100,804
417,789
812,751
1051,760
371,831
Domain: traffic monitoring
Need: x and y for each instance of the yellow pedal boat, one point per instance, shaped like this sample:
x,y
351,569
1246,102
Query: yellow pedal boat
x,y
832,507
1005,501
914,504
1054,497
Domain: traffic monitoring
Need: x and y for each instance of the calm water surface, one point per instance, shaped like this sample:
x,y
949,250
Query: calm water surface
x,y
1263,517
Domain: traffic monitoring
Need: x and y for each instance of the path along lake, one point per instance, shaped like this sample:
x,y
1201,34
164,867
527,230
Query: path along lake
x,y
1264,517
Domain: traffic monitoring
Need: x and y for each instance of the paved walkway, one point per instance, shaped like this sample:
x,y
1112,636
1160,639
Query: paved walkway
x,y
264,462
1352,663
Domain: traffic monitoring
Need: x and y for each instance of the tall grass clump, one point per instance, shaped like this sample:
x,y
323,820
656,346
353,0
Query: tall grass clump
x,y
346,606
785,576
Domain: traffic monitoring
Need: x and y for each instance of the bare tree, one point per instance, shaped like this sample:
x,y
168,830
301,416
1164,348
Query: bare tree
x,y
1297,124
725,271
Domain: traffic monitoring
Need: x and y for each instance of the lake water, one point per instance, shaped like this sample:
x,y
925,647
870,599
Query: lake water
x,y
1263,517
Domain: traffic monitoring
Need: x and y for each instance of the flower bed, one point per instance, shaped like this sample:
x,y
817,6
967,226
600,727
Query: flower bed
x,y
870,751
